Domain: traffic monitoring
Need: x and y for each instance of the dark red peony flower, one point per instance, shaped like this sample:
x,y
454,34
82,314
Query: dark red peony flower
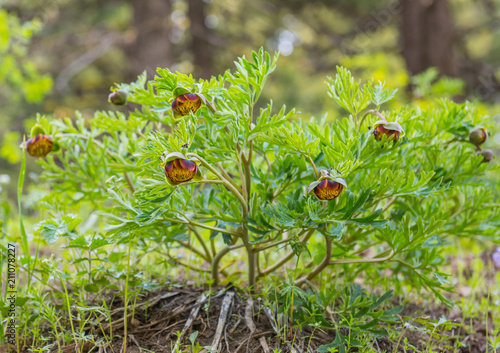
x,y
327,187
179,169
186,103
39,145
392,130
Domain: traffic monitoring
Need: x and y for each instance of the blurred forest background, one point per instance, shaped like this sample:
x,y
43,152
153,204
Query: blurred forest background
x,y
58,56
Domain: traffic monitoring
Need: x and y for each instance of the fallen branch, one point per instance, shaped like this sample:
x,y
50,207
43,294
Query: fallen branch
x,y
255,336
226,304
270,316
189,322
251,325
149,303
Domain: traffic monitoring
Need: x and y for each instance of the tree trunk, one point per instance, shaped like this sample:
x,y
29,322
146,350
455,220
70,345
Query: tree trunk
x,y
151,48
427,33
200,46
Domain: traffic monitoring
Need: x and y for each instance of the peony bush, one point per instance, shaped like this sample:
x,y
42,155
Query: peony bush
x,y
206,166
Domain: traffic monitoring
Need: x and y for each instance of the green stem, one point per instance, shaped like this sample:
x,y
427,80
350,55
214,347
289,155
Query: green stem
x,y
179,263
126,299
194,250
24,236
251,255
226,183
216,260
371,111
69,309
242,176
252,261
363,260
287,257
202,225
316,271
228,177
129,182
204,181
314,166
202,241
262,248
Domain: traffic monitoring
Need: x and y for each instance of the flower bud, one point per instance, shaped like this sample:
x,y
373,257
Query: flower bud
x,y
327,187
40,145
118,97
390,129
487,155
186,103
478,136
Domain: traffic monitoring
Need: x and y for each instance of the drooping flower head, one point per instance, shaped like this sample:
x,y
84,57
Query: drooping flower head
x,y
392,130
118,97
179,169
40,144
327,187
478,136
186,102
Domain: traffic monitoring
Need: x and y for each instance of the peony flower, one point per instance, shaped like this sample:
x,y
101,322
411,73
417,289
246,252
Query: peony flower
x,y
186,103
392,130
327,187
40,144
179,169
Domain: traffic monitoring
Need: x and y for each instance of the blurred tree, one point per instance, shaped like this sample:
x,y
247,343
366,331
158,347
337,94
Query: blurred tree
x,y
202,38
151,47
427,32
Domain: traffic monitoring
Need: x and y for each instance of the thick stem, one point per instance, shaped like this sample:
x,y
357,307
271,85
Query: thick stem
x,y
252,256
317,270
212,245
248,178
228,177
252,262
216,260
242,176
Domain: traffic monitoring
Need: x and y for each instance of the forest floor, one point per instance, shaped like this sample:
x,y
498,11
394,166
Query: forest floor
x,y
228,321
